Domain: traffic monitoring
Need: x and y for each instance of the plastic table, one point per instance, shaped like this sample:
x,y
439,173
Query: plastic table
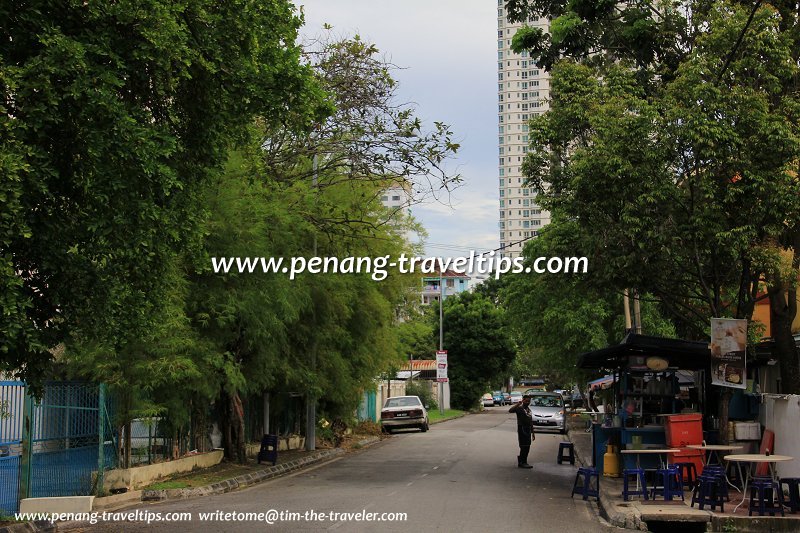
x,y
751,459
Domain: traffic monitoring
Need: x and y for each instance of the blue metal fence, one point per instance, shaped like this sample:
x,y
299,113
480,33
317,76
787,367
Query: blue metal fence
x,y
12,395
68,446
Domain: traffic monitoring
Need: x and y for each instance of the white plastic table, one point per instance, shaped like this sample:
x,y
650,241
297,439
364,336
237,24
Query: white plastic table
x,y
751,459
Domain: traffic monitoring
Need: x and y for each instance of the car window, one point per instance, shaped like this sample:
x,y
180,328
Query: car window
x,y
546,401
402,402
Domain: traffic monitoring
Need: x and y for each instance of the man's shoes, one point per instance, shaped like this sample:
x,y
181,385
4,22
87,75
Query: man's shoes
x,y
524,465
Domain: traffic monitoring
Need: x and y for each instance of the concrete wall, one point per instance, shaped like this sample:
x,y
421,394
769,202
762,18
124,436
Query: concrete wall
x,y
781,414
141,476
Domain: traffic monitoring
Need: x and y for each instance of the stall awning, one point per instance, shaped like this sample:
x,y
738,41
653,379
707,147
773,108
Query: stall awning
x,y
686,355
602,383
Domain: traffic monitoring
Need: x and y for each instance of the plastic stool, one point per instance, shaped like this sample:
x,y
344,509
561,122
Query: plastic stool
x,y
585,488
718,471
269,449
671,481
793,486
626,492
566,447
709,491
689,473
761,492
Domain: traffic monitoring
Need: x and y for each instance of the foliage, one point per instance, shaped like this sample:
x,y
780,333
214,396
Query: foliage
x,y
674,145
423,390
556,317
478,344
113,116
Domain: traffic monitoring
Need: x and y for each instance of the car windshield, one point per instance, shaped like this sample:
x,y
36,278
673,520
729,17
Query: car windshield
x,y
402,402
546,401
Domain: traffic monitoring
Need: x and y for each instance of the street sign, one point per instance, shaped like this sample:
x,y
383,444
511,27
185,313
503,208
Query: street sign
x,y
441,366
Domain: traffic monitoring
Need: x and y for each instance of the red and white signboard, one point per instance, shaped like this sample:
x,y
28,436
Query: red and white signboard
x,y
441,366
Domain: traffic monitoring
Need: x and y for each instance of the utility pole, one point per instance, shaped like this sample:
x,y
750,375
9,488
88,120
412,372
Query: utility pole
x,y
311,402
441,338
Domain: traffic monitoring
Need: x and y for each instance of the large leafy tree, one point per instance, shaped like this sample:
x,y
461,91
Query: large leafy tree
x,y
113,114
479,346
678,161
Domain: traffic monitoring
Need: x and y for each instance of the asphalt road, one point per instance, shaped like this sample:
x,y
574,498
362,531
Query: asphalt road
x,y
459,476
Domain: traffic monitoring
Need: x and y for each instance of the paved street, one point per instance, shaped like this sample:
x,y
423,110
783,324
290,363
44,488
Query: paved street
x,y
460,476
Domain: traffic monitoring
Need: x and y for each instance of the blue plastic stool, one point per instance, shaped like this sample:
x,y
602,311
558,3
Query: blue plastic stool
x,y
709,491
761,495
671,481
566,447
626,492
793,486
585,487
719,472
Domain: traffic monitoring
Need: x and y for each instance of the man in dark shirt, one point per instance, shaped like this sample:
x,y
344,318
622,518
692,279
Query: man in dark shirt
x,y
524,429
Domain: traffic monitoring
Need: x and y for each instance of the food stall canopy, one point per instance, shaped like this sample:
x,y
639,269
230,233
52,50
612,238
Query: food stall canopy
x,y
602,383
686,355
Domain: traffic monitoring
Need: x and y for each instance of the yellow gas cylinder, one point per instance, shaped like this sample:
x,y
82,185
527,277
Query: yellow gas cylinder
x,y
611,462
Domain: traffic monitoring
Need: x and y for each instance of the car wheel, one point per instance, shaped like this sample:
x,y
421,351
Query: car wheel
x,y
424,427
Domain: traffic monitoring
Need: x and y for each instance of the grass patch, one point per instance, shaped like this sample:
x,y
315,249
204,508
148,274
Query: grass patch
x,y
434,415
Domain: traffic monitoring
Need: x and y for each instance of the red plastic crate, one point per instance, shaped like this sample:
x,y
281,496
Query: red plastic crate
x,y
682,430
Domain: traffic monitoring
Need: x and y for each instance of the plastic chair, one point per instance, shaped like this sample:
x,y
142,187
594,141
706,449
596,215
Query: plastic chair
x,y
761,497
709,491
584,487
626,492
562,456
671,481
689,473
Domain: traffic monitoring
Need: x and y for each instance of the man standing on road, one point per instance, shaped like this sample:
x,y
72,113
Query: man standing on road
x,y
524,429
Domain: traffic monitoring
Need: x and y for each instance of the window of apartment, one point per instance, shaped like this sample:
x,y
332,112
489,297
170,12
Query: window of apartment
x,y
395,198
524,127
384,198
534,73
499,34
524,96
535,104
499,76
502,181
502,214
534,94
500,108
500,139
534,233
524,84
502,225
536,222
500,119
500,97
502,234
502,193
525,117
499,86
524,107
502,160
524,53
536,211
450,282
524,64
502,203
502,173
526,213
500,43
524,75
524,138
534,83
502,150
500,12
526,192
526,224
499,65
525,149
525,202
500,129
499,54
526,234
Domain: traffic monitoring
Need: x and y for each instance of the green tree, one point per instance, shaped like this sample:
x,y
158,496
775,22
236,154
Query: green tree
x,y
682,176
478,344
113,116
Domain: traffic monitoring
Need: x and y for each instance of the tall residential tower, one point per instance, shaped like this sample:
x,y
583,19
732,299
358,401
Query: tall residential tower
x,y
522,92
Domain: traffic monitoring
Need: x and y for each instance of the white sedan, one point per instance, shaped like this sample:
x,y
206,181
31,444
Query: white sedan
x,y
404,412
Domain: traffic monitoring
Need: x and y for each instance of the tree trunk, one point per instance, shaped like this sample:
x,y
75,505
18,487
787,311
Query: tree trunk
x,y
782,312
724,403
233,428
126,456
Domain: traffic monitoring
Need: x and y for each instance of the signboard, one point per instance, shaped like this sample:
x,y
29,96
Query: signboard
x,y
728,347
441,366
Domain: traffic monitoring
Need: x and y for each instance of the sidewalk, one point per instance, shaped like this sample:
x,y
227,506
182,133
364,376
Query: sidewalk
x,y
636,514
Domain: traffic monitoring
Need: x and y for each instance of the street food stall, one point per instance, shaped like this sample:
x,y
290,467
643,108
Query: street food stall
x,y
654,401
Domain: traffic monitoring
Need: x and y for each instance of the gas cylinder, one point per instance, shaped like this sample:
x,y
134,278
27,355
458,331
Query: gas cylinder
x,y
611,462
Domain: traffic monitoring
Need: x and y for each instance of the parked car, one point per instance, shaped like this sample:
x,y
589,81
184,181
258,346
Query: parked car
x,y
487,400
547,409
404,412
497,397
514,397
507,398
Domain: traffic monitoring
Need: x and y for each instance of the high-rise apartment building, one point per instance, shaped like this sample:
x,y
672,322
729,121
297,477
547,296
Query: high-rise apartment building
x,y
522,92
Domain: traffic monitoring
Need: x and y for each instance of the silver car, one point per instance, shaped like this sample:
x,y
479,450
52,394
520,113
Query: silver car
x,y
547,409
404,412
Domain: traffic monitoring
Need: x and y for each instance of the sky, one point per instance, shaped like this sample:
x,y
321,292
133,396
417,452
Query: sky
x,y
447,51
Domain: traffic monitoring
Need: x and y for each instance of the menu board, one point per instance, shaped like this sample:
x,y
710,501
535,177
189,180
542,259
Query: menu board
x,y
728,348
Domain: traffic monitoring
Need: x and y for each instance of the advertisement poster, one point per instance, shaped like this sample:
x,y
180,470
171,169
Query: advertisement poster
x,y
441,366
728,347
